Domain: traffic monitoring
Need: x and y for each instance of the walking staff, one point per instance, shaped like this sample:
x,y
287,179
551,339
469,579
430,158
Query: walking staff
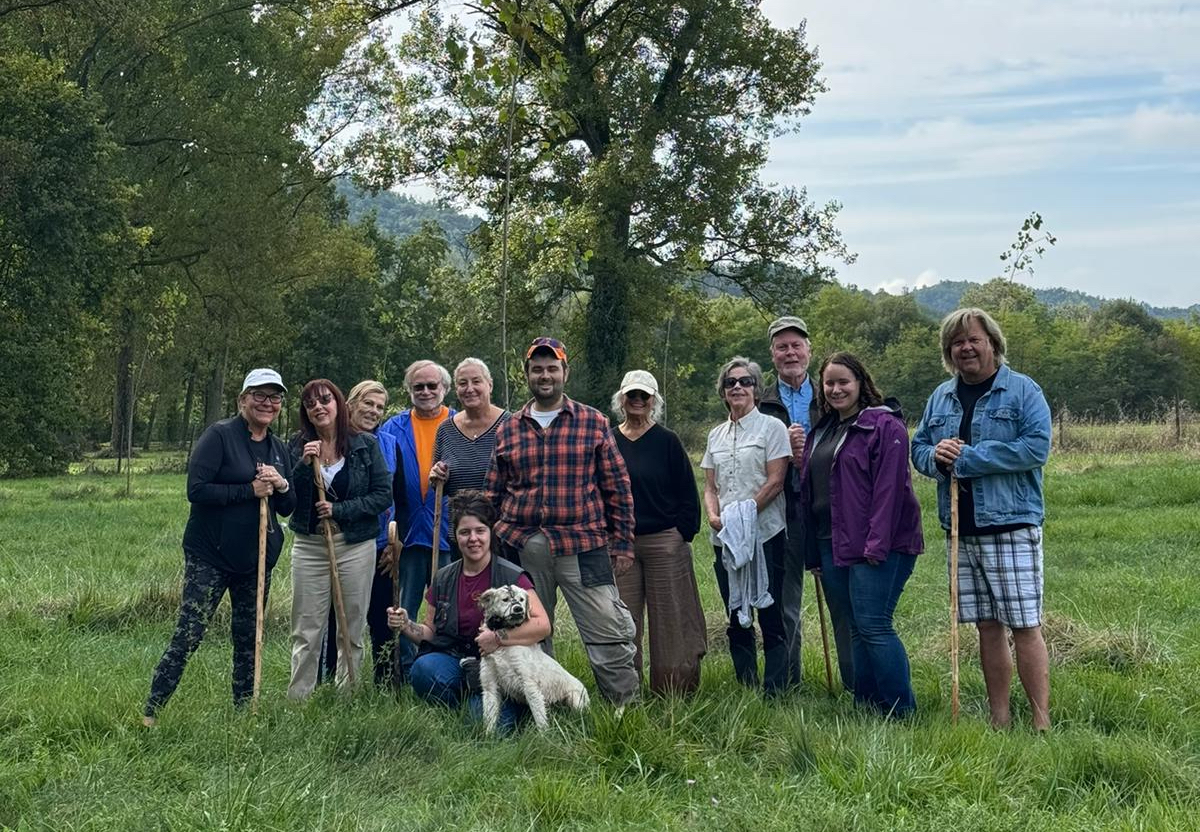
x,y
334,579
954,600
259,600
824,631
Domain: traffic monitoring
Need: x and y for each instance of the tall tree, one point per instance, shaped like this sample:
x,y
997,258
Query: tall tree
x,y
64,232
638,129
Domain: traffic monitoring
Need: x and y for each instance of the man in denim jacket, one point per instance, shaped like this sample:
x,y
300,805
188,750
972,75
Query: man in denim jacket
x,y
989,427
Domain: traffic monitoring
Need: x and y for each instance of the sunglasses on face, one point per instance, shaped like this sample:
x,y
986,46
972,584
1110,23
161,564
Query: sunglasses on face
x,y
418,386
323,398
262,397
736,381
638,395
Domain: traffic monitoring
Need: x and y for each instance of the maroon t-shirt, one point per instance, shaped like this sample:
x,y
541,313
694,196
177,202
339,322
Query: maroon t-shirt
x,y
470,587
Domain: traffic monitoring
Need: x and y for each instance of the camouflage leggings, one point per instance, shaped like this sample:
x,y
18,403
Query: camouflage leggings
x,y
203,586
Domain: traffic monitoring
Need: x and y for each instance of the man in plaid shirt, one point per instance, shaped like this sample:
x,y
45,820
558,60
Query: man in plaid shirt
x,y
566,510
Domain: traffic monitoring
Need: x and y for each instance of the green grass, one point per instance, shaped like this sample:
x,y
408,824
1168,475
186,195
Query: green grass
x,y
89,583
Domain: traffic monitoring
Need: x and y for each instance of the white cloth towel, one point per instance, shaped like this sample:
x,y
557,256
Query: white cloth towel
x,y
745,563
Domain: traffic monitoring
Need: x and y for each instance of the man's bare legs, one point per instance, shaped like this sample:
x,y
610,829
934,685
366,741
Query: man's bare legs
x,y
1033,667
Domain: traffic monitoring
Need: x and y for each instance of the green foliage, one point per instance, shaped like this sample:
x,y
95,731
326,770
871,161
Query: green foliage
x,y
64,230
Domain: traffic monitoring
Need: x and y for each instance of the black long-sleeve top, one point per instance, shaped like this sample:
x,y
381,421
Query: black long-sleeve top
x,y
222,528
664,486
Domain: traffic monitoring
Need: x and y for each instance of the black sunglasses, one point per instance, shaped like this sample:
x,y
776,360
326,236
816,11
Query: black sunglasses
x,y
731,382
418,386
323,398
640,395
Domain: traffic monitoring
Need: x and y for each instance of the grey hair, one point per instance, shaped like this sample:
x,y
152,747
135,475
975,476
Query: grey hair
x,y
417,366
618,407
366,387
474,362
751,367
957,322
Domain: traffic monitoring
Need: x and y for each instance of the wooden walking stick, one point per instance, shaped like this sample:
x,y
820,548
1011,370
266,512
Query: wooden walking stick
x,y
259,605
394,545
437,531
954,599
334,579
824,632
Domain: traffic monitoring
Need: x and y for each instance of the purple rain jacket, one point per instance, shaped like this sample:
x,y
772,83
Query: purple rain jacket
x,y
871,500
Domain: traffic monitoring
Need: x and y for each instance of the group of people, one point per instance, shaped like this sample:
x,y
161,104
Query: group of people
x,y
809,474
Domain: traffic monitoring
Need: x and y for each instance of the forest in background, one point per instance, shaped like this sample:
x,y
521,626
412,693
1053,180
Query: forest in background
x,y
175,208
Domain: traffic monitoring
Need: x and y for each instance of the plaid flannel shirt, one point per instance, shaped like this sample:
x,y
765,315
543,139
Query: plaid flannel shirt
x,y
568,481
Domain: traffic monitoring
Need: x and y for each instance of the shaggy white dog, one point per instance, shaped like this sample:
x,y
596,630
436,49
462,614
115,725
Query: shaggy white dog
x,y
525,674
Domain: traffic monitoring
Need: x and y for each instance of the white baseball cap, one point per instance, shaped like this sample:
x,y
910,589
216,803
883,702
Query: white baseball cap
x,y
639,380
262,377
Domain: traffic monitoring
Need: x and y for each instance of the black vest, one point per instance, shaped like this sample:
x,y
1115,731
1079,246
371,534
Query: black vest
x,y
447,638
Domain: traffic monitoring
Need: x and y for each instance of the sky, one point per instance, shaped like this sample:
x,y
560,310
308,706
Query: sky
x,y
947,122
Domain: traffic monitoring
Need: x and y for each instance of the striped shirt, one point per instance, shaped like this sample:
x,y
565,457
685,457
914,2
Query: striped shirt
x,y
469,460
567,481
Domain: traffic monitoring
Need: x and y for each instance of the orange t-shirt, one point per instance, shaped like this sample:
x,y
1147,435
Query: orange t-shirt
x,y
424,433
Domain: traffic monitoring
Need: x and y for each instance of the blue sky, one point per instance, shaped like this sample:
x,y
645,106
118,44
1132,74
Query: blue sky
x,y
946,123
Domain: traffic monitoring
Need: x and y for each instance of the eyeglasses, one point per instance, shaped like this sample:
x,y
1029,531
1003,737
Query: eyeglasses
x,y
262,396
731,382
418,386
323,398
639,395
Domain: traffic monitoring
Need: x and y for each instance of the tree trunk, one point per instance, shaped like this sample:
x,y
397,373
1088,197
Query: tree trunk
x,y
123,391
607,340
214,394
189,401
150,421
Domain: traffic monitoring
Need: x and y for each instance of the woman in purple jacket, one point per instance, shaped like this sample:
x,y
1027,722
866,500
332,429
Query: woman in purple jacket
x,y
863,525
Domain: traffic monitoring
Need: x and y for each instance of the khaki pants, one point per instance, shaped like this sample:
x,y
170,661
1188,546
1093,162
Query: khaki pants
x,y
603,621
312,598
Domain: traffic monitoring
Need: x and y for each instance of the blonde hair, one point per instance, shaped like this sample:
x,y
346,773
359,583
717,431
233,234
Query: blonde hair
x,y
364,388
957,322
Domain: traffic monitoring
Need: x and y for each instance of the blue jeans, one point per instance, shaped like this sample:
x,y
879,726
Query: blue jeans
x,y
866,597
414,579
438,678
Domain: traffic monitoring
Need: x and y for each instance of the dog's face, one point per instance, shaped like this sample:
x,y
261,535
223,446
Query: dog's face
x,y
505,606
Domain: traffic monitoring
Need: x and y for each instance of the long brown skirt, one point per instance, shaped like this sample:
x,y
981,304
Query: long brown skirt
x,y
661,584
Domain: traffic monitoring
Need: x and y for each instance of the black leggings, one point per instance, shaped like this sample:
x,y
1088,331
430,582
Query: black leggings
x,y
203,586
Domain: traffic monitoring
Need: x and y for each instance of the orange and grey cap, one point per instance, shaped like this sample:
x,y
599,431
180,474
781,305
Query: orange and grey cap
x,y
552,345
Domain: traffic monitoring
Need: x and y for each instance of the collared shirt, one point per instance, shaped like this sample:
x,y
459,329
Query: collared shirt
x,y
797,401
738,453
567,481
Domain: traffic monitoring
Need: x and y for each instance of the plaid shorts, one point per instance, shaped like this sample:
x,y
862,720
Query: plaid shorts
x,y
1000,578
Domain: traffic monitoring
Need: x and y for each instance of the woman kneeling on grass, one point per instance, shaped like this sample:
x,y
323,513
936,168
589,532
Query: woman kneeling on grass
x,y
453,629
235,463
863,525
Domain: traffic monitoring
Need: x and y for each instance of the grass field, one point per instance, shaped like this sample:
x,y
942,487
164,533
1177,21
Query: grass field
x,y
89,583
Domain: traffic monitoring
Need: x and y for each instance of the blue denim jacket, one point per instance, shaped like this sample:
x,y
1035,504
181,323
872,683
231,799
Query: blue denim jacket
x,y
1010,442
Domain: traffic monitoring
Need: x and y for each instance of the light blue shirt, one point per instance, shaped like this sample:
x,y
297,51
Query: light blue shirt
x,y
797,402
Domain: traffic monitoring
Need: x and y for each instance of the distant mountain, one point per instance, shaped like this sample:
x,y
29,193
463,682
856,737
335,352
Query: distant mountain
x,y
943,297
401,216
